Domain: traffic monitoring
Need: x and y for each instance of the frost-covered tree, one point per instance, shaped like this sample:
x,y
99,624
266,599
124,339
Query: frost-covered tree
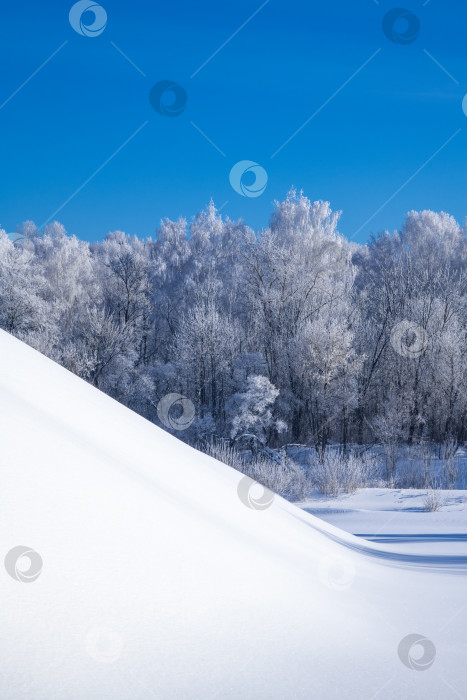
x,y
203,350
252,410
23,310
288,334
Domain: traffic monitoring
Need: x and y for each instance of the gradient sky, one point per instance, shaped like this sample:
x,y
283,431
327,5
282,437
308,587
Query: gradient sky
x,y
358,151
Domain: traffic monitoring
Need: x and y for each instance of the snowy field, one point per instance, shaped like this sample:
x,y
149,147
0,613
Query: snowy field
x,y
150,572
399,518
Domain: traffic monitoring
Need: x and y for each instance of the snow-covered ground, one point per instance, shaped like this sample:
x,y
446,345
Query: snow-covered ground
x,y
399,517
147,574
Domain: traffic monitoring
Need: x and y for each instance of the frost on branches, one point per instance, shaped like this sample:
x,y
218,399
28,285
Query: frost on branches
x,y
287,335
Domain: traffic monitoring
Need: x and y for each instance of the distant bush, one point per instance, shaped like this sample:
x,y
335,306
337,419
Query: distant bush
x,y
433,500
336,472
276,472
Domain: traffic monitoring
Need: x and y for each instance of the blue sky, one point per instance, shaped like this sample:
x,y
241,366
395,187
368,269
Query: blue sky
x,y
73,117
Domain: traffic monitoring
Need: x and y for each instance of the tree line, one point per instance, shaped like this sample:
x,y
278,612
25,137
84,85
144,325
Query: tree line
x,y
288,335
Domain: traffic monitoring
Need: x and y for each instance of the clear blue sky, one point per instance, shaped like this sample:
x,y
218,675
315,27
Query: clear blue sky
x,y
279,69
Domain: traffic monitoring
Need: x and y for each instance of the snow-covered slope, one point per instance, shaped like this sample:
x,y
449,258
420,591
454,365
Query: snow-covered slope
x,y
157,581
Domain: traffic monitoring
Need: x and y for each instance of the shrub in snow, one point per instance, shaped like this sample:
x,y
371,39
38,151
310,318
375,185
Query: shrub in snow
x,y
327,473
450,472
279,474
415,467
433,500
335,472
223,452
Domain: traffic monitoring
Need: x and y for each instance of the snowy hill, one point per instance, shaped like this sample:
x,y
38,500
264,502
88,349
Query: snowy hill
x,y
149,577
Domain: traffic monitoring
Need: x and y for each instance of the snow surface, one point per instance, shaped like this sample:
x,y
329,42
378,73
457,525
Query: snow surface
x,y
399,517
158,582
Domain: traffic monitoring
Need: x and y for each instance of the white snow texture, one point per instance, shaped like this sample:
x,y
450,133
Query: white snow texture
x,y
153,579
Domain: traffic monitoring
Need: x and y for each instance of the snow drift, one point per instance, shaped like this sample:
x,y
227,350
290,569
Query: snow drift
x,y
149,577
